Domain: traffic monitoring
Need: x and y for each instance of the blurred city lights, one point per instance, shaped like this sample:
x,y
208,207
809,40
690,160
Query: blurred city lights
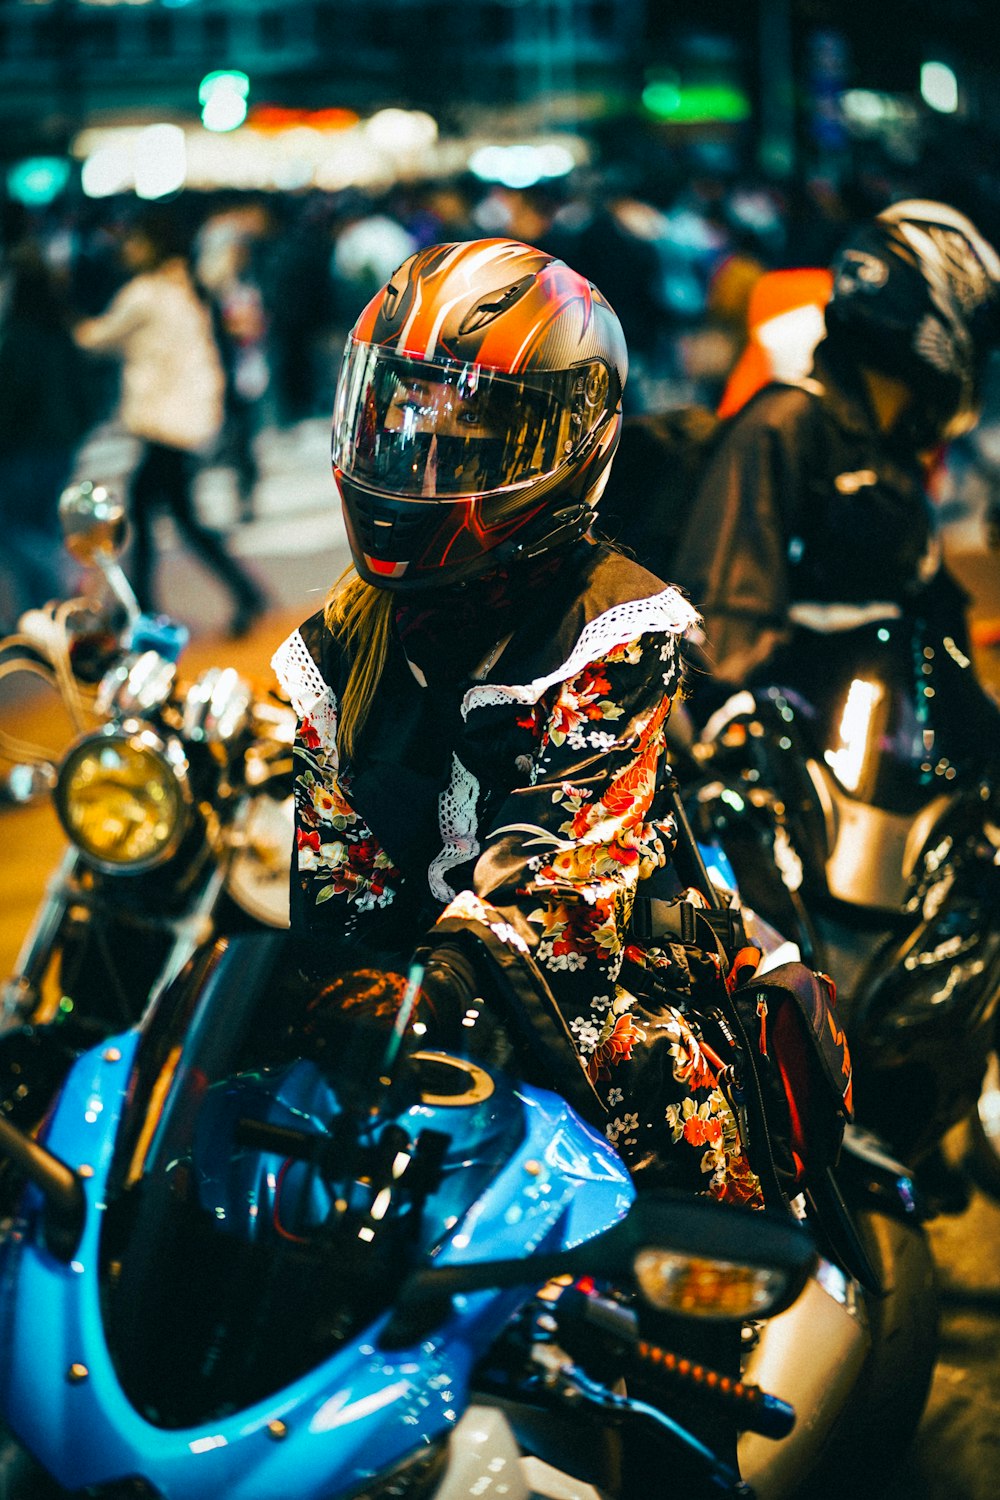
x,y
223,99
38,179
108,168
402,130
280,117
159,161
289,149
939,87
868,111
520,166
695,104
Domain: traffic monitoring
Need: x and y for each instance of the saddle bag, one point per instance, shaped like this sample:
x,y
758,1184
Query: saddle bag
x,y
798,1054
788,1066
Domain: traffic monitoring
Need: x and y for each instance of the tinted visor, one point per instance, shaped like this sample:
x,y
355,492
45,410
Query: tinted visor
x,y
429,429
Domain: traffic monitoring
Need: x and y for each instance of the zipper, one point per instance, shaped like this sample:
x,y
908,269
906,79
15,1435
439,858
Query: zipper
x,y
730,1078
762,1016
720,1020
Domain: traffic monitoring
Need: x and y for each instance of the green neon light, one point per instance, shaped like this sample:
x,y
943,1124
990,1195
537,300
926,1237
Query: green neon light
x,y
695,104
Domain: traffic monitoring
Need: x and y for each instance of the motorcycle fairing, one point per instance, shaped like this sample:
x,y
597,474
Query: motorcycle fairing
x,y
893,884
892,708
870,734
871,852
341,1422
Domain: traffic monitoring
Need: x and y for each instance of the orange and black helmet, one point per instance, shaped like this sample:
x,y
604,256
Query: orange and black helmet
x,y
478,408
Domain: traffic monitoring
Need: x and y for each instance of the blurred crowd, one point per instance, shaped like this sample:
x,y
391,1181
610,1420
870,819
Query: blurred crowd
x,y
282,277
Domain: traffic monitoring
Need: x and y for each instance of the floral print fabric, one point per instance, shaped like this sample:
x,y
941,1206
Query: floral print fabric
x,y
562,830
336,853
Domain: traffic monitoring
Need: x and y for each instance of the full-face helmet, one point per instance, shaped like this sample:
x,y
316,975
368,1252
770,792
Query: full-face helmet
x,y
478,408
916,295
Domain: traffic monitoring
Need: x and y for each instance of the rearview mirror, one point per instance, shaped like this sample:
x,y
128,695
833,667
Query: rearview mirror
x,y
93,522
95,529
690,1256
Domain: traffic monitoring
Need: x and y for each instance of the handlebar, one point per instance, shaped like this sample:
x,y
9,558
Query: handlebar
x,y
757,1410
594,1327
42,648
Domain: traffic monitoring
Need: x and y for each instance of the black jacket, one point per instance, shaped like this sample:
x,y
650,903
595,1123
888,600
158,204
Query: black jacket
x,y
803,502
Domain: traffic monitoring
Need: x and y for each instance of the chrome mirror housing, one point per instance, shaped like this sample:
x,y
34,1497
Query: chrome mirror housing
x,y
217,707
93,522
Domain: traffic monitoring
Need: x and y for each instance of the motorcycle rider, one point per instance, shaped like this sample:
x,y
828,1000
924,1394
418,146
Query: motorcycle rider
x,y
813,510
482,699
813,516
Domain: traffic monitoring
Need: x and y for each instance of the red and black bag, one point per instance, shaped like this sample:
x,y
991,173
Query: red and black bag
x,y
788,1073
796,1050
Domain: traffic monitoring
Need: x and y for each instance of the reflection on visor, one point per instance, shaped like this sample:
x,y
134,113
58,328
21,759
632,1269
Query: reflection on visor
x,y
425,429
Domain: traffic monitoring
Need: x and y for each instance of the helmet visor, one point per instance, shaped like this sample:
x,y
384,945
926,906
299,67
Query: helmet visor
x,y
447,429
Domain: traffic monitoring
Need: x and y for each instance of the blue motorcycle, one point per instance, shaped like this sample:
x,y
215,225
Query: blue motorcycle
x,y
271,1247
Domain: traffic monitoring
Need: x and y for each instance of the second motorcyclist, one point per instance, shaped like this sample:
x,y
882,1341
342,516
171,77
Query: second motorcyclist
x,y
813,511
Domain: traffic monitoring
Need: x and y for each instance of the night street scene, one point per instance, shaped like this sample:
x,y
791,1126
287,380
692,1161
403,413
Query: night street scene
x,y
499,750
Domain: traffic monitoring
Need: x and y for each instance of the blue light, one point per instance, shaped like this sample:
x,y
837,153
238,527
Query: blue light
x,y
37,180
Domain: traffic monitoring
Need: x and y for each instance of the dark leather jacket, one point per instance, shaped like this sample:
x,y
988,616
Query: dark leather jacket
x,y
804,503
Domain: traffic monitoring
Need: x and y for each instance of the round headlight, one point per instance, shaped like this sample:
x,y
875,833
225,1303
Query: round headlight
x,y
123,797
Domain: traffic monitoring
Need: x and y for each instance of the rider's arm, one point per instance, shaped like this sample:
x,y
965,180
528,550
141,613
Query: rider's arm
x,y
110,330
564,853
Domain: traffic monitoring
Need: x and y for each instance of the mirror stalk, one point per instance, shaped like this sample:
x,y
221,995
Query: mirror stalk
x,y
65,1206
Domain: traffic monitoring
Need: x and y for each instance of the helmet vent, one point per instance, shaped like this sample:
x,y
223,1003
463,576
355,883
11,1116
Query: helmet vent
x,y
386,534
484,312
390,302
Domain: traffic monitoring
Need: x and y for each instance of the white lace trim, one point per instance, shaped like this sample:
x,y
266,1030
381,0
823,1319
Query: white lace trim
x,y
298,674
459,828
668,610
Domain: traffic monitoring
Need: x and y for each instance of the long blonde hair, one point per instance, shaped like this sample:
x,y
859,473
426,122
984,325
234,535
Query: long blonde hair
x,y
360,616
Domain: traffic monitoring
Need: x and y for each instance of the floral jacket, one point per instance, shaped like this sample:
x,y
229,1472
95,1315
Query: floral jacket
x,y
522,804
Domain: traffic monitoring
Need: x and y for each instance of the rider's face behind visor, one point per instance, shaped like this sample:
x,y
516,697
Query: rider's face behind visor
x,y
427,429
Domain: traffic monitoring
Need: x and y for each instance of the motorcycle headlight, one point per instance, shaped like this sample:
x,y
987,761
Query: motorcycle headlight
x,y
123,797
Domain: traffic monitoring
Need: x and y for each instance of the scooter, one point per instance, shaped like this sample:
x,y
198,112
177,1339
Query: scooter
x,y
270,1245
856,791
174,797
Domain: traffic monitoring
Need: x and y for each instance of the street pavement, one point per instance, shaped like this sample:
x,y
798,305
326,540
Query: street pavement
x,y
296,547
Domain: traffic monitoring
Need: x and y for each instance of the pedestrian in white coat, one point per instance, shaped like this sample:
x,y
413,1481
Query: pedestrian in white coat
x,y
172,390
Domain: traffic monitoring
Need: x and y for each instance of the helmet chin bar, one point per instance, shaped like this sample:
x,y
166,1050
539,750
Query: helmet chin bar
x,y
567,524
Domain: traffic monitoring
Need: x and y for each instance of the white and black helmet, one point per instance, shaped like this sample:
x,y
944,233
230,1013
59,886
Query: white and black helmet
x,y
916,294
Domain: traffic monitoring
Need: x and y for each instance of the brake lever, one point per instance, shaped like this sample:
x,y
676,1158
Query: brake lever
x,y
571,1385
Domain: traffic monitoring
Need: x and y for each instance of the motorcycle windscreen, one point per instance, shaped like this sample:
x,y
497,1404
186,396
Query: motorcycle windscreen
x,y
892,710
274,1180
